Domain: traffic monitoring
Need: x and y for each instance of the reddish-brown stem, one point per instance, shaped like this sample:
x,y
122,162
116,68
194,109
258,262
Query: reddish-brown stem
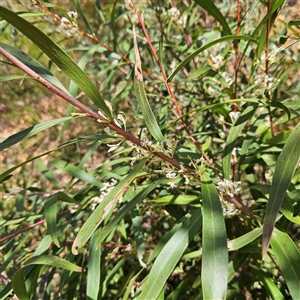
x,y
269,3
168,85
236,50
89,112
236,69
12,235
127,136
95,39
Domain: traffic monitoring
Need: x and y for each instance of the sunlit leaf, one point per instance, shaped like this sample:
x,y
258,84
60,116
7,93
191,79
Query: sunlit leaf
x,y
211,8
285,168
98,215
288,258
169,257
26,133
58,56
53,261
214,243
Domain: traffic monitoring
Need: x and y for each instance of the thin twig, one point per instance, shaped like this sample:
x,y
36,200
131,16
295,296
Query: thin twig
x,y
168,85
12,235
269,4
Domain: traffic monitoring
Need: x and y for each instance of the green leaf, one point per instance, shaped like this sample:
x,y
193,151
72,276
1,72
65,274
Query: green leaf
x,y
34,65
178,200
53,261
288,258
50,210
26,133
272,290
285,168
244,240
4,78
76,172
198,51
169,257
58,56
211,8
124,210
140,93
138,234
13,254
18,284
98,215
280,105
214,272
82,16
235,263
94,268
233,135
7,173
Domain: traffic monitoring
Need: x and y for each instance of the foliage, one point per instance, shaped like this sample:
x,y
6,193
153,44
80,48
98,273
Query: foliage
x,y
178,177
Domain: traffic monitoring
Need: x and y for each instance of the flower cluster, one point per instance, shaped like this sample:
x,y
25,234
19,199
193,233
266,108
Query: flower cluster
x,y
234,115
166,147
228,79
266,82
216,61
227,187
271,57
229,209
174,13
128,4
104,191
175,16
69,25
174,174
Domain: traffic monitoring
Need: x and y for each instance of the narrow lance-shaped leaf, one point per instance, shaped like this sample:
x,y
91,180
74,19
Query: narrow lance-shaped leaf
x,y
18,284
214,243
58,56
126,209
201,49
94,268
211,8
285,168
169,257
234,133
50,209
34,65
98,215
140,93
53,261
26,133
288,258
138,235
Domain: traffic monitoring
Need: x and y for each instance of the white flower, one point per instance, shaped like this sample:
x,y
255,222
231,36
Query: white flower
x,y
173,65
234,115
216,61
73,15
174,13
104,191
172,184
73,208
229,209
234,151
228,187
127,4
266,81
182,20
229,80
113,147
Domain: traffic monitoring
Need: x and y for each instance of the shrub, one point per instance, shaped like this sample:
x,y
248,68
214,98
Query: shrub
x,y
173,173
